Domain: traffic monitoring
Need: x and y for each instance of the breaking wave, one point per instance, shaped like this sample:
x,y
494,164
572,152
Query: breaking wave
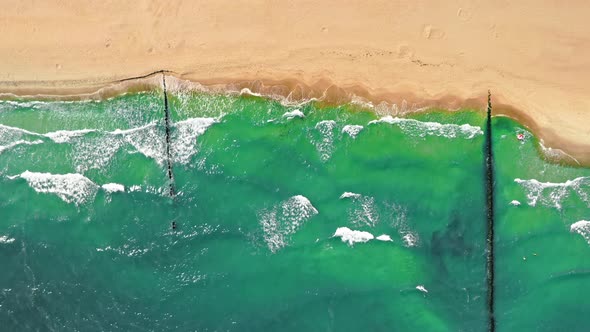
x,y
148,140
19,142
4,239
552,194
352,130
582,227
113,187
96,151
11,137
64,136
351,237
293,114
410,240
185,135
419,128
282,221
422,288
349,195
71,188
384,237
60,136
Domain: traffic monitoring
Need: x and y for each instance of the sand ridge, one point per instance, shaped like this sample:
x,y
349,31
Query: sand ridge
x,y
532,55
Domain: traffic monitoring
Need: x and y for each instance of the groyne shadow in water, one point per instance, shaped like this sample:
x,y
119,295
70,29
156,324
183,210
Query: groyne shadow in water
x,y
489,200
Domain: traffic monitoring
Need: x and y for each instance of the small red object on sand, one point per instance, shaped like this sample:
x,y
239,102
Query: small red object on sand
x,y
520,137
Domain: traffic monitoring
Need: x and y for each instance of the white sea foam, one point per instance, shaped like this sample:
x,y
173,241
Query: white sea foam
x,y
422,129
71,188
38,103
397,215
60,136
294,114
12,136
12,131
124,132
246,91
362,102
147,140
113,187
556,154
95,152
384,237
364,211
125,250
64,136
19,142
422,288
352,130
325,144
349,195
185,136
150,141
582,227
410,240
351,236
552,194
6,240
280,222
515,203
87,153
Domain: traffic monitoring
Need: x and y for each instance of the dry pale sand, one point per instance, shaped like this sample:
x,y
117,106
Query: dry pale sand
x,y
533,55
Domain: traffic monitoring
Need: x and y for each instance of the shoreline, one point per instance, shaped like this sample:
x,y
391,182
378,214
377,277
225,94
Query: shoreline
x,y
532,55
293,91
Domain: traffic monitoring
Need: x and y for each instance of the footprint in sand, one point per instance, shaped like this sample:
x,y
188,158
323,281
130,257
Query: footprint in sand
x,y
430,32
464,14
404,51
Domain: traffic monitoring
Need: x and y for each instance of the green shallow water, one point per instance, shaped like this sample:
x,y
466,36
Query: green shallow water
x,y
85,220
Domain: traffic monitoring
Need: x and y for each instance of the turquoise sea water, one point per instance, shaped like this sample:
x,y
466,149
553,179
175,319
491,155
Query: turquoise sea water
x,y
261,190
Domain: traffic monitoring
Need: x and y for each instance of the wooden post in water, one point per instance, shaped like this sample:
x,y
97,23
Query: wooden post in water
x,y
168,142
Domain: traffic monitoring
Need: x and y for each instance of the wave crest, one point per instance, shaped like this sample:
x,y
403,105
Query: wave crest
x,y
71,188
582,227
6,240
185,136
552,194
421,129
280,222
293,114
352,130
351,237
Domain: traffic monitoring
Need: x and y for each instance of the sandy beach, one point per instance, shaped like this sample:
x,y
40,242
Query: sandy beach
x,y
532,55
